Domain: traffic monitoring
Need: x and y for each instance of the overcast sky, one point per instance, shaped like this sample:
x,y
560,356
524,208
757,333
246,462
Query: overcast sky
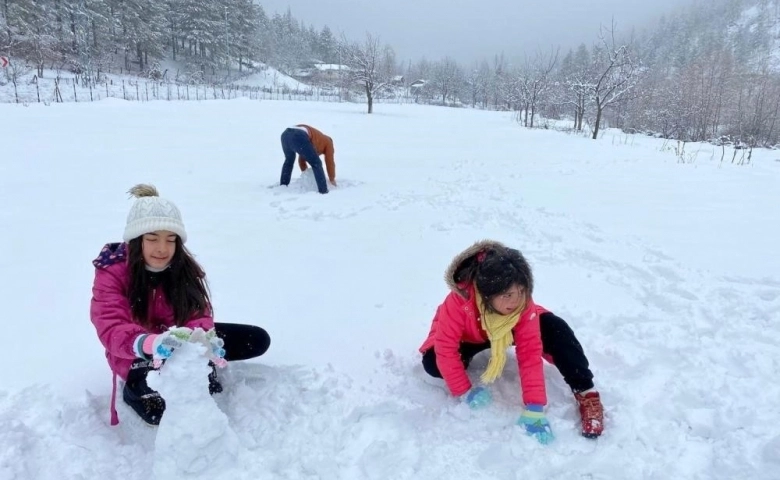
x,y
473,29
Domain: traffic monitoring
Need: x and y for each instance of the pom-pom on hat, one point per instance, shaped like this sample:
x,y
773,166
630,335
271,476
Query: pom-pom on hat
x,y
150,213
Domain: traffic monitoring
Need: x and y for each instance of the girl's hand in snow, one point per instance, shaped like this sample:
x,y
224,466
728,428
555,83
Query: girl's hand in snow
x,y
478,397
536,424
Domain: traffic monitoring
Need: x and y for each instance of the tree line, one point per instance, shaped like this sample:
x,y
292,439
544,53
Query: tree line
x,y
700,74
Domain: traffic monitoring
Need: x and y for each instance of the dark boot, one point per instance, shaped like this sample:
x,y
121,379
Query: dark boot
x,y
214,385
147,403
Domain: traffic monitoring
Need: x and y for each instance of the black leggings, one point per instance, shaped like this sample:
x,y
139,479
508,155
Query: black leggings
x,y
558,341
242,342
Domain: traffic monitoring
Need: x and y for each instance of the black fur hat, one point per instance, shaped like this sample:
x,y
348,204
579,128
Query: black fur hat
x,y
492,266
499,269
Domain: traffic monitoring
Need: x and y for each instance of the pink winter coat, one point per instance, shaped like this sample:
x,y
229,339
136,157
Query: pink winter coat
x,y
111,315
457,320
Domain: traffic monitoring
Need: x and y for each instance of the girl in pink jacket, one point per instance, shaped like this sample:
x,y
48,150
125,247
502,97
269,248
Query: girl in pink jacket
x,y
490,306
148,293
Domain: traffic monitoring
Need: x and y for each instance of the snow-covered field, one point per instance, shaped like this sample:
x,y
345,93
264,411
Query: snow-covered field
x,y
667,272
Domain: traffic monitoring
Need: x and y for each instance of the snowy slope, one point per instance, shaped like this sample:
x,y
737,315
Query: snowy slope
x,y
761,23
269,77
666,272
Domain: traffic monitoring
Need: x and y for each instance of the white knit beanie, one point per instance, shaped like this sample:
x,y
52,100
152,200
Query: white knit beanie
x,y
151,213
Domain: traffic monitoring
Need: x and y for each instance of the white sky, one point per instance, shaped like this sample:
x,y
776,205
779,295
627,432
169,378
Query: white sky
x,y
468,30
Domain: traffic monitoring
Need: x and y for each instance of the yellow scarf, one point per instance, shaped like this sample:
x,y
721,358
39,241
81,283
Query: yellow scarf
x,y
499,329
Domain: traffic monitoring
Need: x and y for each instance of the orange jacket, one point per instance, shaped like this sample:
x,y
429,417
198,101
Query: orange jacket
x,y
323,144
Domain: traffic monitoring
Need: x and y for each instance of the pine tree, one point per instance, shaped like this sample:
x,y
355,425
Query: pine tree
x,y
327,46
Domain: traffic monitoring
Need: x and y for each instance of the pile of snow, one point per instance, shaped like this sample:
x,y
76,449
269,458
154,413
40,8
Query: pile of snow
x,y
194,438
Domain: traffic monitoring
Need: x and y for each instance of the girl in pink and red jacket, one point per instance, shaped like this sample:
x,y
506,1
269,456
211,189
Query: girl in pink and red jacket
x,y
148,295
490,306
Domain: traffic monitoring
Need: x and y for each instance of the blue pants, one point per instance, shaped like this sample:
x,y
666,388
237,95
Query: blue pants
x,y
297,141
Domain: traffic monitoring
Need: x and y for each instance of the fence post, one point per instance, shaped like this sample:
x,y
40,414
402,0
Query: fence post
x,y
75,97
146,86
137,96
124,93
90,92
38,91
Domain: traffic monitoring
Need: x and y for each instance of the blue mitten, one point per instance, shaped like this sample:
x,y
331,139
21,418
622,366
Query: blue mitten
x,y
478,397
536,424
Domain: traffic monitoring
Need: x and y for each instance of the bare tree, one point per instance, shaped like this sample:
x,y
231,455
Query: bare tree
x,y
615,73
514,90
419,77
538,82
473,85
446,75
478,84
366,68
578,84
579,87
14,73
757,104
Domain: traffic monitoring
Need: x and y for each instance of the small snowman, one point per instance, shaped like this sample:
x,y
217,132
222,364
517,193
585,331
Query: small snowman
x,y
194,438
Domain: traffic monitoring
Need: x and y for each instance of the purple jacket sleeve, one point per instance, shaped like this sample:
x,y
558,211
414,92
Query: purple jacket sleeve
x,y
110,313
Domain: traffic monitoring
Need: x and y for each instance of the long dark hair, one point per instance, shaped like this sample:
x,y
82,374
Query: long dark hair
x,y
183,283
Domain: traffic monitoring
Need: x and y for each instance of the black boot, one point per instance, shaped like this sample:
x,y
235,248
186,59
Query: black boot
x,y
147,403
214,385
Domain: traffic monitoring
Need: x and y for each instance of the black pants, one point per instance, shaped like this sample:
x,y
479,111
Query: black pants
x,y
242,342
558,341
297,141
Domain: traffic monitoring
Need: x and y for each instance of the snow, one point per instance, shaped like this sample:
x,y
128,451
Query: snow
x,y
764,16
664,269
31,89
324,67
195,440
269,77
